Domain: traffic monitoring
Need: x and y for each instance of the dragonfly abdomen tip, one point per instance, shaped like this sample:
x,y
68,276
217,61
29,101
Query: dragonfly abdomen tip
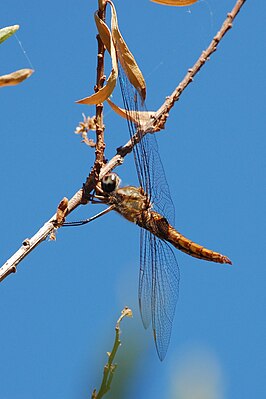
x,y
227,260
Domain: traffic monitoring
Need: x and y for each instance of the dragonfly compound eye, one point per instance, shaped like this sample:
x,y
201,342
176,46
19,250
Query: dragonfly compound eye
x,y
110,182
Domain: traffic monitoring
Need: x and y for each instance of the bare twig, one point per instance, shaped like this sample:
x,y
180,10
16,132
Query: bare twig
x,y
93,177
162,113
155,124
29,244
100,144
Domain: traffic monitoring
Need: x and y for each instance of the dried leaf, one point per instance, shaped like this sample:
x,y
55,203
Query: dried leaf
x,y
8,31
126,58
61,210
107,90
104,32
136,117
179,3
103,93
15,77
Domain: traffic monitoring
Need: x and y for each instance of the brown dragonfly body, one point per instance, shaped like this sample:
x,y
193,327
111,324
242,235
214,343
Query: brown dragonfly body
x,y
132,203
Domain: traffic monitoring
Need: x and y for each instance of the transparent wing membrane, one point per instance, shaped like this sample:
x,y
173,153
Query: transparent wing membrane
x,y
146,154
159,272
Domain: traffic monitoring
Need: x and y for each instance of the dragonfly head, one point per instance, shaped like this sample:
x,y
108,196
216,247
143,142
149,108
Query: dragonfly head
x,y
110,182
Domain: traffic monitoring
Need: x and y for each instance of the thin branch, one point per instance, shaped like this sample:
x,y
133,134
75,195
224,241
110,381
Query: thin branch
x,y
100,79
156,123
29,244
163,112
93,177
110,367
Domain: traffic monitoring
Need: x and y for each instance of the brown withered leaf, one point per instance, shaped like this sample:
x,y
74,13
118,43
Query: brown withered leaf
x,y
15,78
134,116
61,211
106,90
126,58
179,3
103,93
104,32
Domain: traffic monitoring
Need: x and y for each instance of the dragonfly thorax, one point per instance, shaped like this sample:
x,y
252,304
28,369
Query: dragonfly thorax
x,y
130,202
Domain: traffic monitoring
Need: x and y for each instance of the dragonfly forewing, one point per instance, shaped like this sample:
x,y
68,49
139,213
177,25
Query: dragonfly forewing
x,y
148,163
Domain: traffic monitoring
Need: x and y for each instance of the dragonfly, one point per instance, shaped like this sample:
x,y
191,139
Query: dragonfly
x,y
151,208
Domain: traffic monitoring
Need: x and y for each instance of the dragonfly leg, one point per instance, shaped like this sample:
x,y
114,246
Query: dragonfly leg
x,y
82,222
101,199
98,190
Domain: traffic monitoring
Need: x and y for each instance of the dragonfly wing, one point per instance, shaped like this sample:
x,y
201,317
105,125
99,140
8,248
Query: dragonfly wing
x,y
159,273
165,289
146,153
145,278
157,187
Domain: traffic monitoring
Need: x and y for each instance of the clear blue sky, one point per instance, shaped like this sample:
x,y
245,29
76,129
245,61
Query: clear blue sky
x,y
58,312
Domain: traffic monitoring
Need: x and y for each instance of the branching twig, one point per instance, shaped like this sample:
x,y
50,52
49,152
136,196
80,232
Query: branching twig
x,y
157,123
109,368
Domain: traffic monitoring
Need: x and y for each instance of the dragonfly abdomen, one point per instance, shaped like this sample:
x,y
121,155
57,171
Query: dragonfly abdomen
x,y
191,248
159,226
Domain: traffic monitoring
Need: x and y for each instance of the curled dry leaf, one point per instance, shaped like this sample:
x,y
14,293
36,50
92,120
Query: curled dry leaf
x,y
61,211
136,117
117,48
8,31
103,93
15,78
107,90
126,58
104,32
179,3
